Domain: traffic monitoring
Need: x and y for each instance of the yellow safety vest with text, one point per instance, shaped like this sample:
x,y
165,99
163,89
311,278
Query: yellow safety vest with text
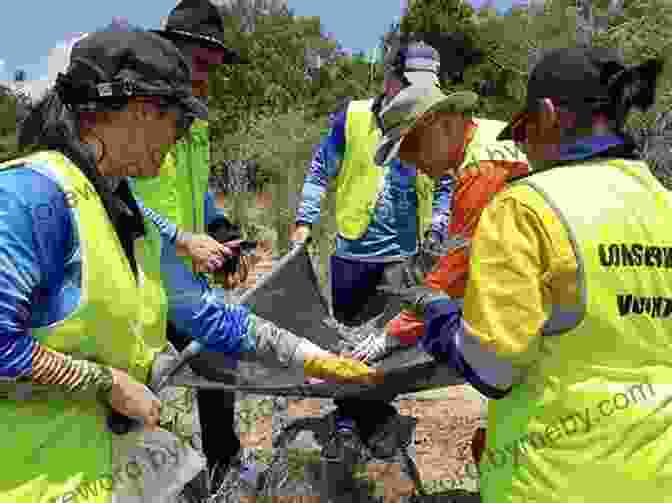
x,y
591,420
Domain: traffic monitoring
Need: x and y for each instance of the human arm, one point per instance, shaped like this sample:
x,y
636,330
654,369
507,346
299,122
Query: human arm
x,y
36,241
324,165
205,251
212,213
232,329
497,335
471,191
167,229
443,192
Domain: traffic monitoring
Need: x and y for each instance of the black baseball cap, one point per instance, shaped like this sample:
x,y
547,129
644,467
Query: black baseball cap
x,y
575,77
111,66
198,21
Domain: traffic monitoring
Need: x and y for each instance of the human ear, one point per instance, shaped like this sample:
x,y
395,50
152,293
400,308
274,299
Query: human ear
x,y
548,114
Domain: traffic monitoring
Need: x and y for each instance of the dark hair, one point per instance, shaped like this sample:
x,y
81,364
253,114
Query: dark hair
x,y
628,88
51,125
633,88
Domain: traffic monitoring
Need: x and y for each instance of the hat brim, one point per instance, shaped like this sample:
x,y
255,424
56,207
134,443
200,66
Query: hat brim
x,y
422,78
388,148
194,107
231,56
518,119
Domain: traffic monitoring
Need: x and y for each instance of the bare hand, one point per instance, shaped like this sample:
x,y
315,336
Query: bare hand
x,y
134,399
206,252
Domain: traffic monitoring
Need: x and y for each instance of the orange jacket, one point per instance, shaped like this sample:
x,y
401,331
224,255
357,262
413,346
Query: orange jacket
x,y
474,188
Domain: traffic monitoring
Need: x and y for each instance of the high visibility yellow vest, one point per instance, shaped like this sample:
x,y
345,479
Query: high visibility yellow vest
x,y
360,181
591,421
53,445
178,194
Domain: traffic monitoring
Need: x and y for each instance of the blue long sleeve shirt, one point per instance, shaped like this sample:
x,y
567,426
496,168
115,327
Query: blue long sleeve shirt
x,y
392,231
167,229
40,276
193,306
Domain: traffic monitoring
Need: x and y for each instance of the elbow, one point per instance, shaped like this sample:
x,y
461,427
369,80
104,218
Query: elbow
x,y
222,327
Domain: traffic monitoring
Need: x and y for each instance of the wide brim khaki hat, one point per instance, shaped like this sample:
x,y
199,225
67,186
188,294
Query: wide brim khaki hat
x,y
400,116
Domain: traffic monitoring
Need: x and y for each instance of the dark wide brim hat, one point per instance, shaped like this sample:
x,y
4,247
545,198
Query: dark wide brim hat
x,y
198,21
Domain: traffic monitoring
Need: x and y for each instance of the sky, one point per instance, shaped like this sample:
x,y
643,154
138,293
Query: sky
x,y
33,38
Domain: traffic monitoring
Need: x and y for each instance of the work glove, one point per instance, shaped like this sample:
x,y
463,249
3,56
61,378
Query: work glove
x,y
432,242
277,345
341,370
416,298
375,347
430,252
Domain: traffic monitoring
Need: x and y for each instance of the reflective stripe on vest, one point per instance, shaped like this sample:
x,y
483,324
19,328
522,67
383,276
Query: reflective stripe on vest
x,y
591,421
56,443
360,181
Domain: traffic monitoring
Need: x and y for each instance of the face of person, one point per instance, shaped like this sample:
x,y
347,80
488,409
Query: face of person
x,y
201,60
435,145
135,140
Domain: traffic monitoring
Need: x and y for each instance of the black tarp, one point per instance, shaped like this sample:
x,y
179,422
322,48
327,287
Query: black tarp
x,y
291,297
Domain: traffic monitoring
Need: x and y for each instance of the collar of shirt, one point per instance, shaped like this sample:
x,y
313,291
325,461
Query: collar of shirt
x,y
589,147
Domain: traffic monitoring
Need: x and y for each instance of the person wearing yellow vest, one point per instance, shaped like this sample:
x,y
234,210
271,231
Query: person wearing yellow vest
x,y
183,208
566,305
438,133
83,308
382,215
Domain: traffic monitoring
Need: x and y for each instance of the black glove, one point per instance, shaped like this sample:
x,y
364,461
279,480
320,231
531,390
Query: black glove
x,y
415,298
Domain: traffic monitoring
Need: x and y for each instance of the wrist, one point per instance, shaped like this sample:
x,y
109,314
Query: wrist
x,y
105,383
182,238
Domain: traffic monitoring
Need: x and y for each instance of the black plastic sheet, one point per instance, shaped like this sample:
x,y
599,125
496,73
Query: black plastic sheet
x,y
291,297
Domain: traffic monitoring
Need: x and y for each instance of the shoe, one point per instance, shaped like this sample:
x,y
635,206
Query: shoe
x,y
196,491
395,434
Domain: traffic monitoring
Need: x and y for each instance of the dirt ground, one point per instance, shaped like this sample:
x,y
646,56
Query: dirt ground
x,y
443,437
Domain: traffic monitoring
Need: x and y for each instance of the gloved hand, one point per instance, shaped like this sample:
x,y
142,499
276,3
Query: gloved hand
x,y
375,346
341,370
415,298
276,345
432,241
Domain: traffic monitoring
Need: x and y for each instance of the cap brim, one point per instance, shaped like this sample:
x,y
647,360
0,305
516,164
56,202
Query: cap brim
x,y
424,79
231,56
195,107
458,102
